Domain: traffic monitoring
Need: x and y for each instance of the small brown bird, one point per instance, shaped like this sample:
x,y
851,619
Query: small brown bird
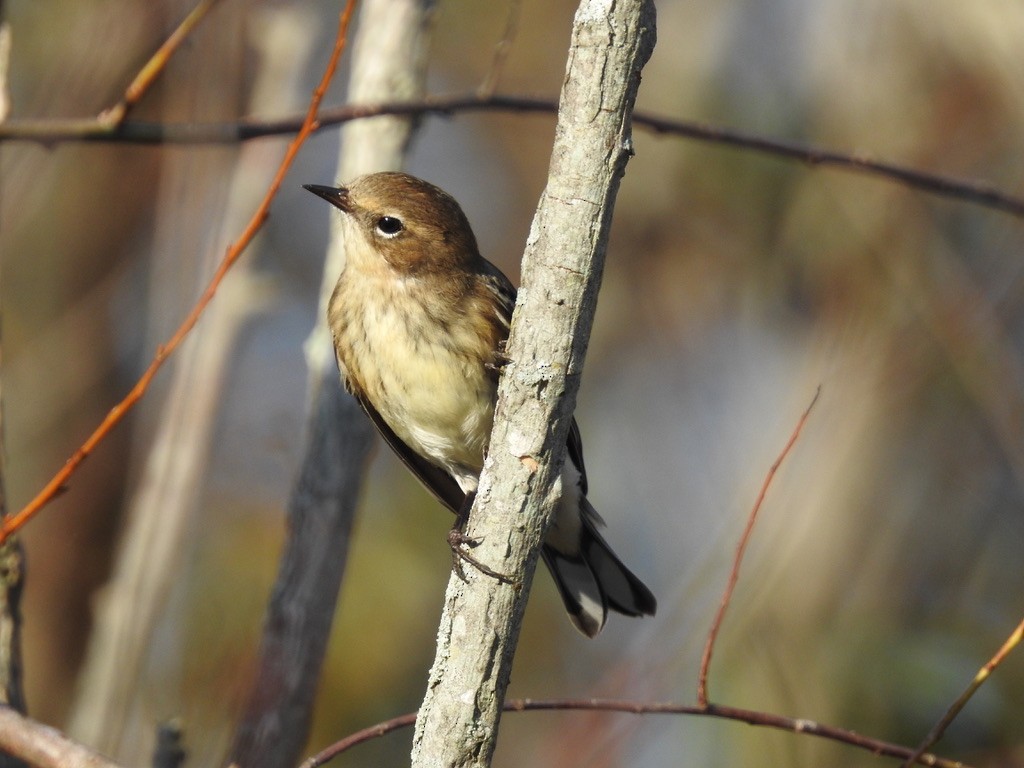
x,y
419,318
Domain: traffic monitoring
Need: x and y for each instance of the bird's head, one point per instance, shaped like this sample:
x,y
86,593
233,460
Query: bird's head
x,y
411,225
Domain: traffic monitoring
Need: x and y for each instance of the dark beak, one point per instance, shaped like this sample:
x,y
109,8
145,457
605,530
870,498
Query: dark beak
x,y
336,196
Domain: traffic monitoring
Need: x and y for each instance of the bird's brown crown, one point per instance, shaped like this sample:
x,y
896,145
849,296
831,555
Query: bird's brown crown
x,y
415,226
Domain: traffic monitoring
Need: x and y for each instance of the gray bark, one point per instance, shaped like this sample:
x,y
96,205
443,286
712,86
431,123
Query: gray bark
x,y
389,63
562,265
197,214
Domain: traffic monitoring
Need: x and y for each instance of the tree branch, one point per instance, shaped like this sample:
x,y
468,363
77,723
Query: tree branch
x,y
152,69
741,548
58,483
12,555
132,132
458,722
389,49
43,746
955,708
736,714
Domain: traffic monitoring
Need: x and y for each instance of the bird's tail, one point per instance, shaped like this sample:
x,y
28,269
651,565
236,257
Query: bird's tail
x,y
592,579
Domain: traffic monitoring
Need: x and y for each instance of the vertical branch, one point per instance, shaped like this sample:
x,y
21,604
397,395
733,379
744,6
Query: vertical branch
x,y
12,578
389,62
193,220
458,722
12,562
12,575
502,50
741,549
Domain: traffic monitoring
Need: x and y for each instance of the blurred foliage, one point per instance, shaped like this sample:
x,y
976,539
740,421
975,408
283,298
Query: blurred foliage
x,y
887,565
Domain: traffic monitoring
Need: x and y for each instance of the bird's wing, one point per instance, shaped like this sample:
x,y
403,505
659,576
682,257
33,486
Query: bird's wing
x,y
504,293
436,480
574,443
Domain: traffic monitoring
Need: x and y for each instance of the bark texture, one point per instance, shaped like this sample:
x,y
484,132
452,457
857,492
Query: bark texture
x,y
389,62
562,266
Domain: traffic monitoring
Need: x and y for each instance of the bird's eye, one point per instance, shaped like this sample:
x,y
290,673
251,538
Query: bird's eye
x,y
389,226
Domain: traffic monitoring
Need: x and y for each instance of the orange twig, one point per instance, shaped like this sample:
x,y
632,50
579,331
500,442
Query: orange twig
x,y
113,117
734,574
940,727
58,482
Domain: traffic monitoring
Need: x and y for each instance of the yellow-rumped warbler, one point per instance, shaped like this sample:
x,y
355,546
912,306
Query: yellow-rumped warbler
x,y
419,319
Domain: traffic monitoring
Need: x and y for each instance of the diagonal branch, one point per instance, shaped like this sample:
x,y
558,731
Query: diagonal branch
x,y
58,483
741,548
45,747
114,116
480,622
983,674
388,60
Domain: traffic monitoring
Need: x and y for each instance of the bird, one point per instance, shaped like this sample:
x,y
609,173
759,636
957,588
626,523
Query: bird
x,y
419,320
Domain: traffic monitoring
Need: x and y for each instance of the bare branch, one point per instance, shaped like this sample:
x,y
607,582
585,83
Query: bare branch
x,y
502,50
151,69
458,722
58,483
275,724
748,716
741,548
169,751
58,131
389,60
43,746
12,581
940,727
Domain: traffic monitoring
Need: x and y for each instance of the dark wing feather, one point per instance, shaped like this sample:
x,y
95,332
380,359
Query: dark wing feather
x,y
504,292
436,480
575,445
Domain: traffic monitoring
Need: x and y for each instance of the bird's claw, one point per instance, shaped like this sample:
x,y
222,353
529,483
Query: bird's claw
x,y
459,542
499,360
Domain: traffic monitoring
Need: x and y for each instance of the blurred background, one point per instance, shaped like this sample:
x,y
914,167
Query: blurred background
x,y
887,565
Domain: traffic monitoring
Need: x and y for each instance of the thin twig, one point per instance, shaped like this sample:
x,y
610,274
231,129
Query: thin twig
x,y
58,131
502,50
734,574
151,70
749,716
366,734
940,727
58,483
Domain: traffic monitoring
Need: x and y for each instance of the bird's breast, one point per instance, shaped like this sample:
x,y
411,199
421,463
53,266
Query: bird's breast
x,y
422,368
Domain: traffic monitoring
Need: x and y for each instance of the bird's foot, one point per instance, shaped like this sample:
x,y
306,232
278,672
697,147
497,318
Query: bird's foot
x,y
499,360
460,544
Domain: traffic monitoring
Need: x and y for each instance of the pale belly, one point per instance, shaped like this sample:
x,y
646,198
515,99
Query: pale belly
x,y
439,402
